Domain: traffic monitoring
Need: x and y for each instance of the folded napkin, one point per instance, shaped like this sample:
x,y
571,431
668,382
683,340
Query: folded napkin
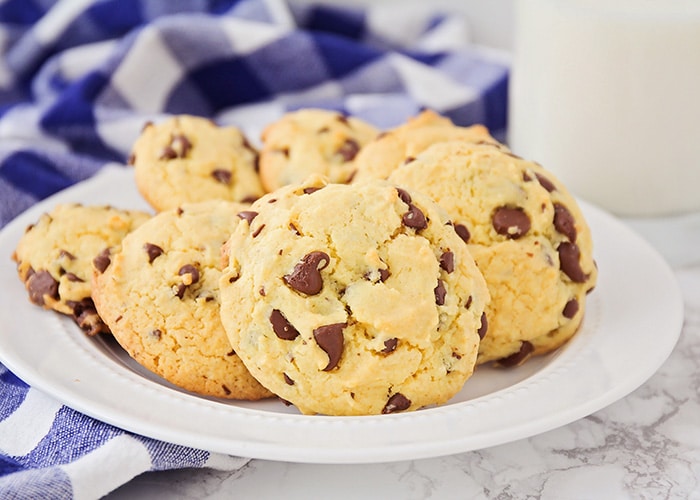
x,y
78,78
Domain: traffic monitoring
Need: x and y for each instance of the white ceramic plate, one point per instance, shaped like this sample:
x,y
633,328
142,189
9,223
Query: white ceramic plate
x,y
632,322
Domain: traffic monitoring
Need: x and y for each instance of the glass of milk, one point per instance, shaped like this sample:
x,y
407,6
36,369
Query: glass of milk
x,y
606,94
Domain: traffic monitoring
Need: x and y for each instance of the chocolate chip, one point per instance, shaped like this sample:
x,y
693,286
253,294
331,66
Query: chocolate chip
x,y
404,196
226,389
86,317
179,290
384,275
231,353
408,160
397,402
41,284
156,334
462,232
90,323
81,306
342,119
102,261
288,380
153,251
249,199
67,254
192,271
330,339
306,276
75,279
167,153
569,255
181,145
447,261
247,215
469,302
519,357
390,345
414,218
526,177
564,222
484,326
311,189
222,176
258,231
440,293
570,309
283,151
545,183
348,150
282,328
510,222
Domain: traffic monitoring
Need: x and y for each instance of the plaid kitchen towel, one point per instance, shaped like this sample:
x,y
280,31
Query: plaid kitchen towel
x,y
78,78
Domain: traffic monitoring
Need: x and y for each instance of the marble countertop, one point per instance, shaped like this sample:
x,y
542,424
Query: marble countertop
x,y
646,445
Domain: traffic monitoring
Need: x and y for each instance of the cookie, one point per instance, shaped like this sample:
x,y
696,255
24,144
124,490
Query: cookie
x,y
54,257
352,299
159,294
392,148
527,235
188,159
311,141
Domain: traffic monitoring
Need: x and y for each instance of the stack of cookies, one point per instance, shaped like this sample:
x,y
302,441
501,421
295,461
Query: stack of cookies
x,y
345,270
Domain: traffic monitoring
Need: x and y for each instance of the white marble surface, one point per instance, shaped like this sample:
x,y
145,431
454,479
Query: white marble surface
x,y
646,445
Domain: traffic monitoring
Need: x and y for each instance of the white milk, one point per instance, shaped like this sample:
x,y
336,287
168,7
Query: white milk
x,y
606,94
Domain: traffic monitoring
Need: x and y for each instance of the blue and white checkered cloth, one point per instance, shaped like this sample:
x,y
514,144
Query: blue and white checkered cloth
x,y
78,78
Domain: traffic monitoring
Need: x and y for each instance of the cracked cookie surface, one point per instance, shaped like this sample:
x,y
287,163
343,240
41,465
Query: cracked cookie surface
x,y
54,257
312,141
527,235
352,299
188,159
159,294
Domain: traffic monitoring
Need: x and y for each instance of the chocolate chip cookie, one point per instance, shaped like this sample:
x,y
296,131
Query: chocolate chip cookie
x,y
159,294
352,299
392,148
54,257
311,141
527,235
187,159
